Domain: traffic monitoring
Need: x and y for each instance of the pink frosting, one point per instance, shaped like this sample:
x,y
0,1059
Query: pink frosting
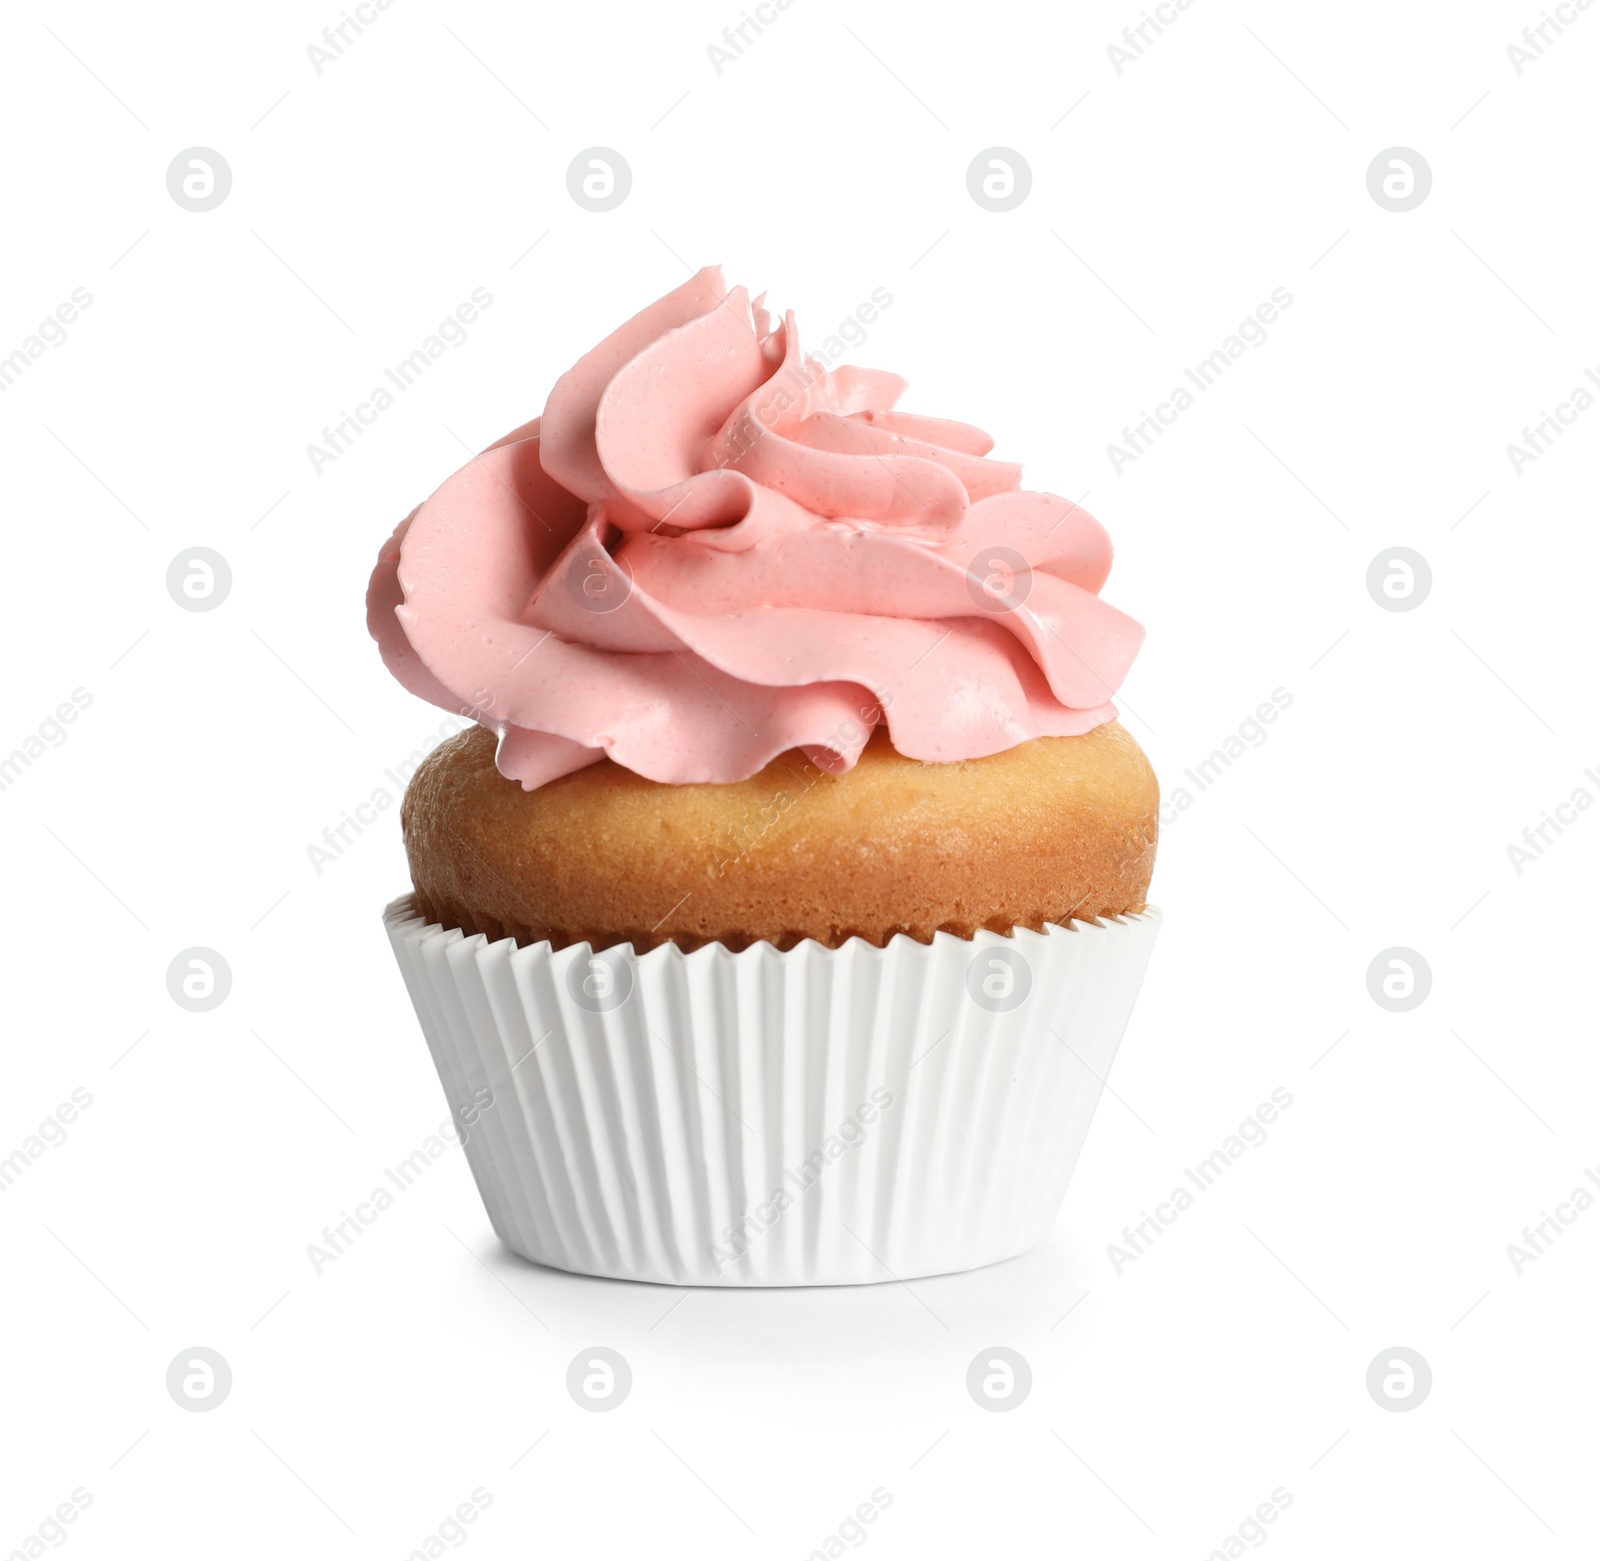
x,y
710,549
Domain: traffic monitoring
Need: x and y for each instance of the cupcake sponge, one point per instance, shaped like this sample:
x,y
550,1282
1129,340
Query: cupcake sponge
x,y
1056,829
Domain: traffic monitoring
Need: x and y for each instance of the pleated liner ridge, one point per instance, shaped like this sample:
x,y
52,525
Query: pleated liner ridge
x,y
820,1116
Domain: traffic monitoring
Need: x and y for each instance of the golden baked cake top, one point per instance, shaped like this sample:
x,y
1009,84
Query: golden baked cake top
x,y
1053,830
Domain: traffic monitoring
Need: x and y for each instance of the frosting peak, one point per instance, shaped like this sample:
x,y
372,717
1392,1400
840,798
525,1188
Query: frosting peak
x,y
711,548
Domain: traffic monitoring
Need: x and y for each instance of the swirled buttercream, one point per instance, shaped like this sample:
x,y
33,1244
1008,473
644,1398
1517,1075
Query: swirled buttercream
x,y
710,549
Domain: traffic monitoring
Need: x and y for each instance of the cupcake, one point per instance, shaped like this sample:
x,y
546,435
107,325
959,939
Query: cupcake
x,y
779,916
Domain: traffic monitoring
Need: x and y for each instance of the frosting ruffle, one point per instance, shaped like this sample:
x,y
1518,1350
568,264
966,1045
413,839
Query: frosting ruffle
x,y
710,549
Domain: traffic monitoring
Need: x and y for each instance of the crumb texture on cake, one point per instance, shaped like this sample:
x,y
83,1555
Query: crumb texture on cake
x,y
1056,829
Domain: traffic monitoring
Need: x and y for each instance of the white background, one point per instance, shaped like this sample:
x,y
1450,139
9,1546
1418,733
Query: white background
x,y
1167,202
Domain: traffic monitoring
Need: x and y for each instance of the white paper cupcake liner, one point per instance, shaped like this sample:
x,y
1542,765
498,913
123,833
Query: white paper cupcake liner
x,y
815,1117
